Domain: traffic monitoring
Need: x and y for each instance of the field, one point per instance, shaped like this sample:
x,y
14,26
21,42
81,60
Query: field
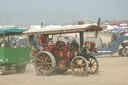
x,y
113,71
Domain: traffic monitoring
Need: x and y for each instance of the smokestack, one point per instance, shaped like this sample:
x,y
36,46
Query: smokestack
x,y
86,21
42,25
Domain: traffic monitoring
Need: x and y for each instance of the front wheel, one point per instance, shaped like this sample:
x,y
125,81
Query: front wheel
x,y
93,65
79,66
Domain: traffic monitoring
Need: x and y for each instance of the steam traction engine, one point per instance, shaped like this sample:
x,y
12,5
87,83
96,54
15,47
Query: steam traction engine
x,y
61,56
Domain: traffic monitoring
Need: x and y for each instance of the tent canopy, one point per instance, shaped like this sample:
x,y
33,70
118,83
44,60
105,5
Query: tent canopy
x,y
11,31
64,29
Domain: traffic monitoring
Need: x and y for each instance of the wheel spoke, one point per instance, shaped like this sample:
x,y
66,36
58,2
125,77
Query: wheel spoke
x,y
79,61
75,61
46,59
75,69
46,68
82,65
93,65
40,68
49,67
39,64
40,57
74,65
39,60
49,63
90,59
94,68
82,70
90,69
43,57
93,62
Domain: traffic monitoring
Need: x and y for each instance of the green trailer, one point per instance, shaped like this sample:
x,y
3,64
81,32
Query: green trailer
x,y
14,55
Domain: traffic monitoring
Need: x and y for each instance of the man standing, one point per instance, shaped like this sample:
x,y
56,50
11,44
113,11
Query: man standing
x,y
43,41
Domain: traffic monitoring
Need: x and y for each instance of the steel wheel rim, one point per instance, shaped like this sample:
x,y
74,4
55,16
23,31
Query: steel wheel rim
x,y
79,66
93,65
43,64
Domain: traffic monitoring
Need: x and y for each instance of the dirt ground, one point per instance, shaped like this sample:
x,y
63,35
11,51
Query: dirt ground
x,y
113,71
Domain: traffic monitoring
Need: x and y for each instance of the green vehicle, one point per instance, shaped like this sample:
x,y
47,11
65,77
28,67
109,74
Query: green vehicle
x,y
14,52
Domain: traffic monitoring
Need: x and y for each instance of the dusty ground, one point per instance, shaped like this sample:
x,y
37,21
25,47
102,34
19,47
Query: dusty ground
x,y
113,71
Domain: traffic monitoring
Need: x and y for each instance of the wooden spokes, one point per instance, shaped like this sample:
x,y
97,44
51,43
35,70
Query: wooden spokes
x,y
93,65
79,66
44,63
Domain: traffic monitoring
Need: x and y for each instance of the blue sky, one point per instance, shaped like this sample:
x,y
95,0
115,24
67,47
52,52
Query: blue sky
x,y
26,12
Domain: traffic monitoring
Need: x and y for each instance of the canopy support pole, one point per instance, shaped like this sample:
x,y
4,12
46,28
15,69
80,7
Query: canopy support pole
x,y
4,41
81,39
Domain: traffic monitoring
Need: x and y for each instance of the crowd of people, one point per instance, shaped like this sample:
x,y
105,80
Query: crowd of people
x,y
12,42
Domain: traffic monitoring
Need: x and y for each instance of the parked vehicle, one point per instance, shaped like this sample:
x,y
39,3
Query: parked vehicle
x,y
116,44
12,55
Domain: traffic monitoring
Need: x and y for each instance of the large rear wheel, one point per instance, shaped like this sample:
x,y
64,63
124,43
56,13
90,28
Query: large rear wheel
x,y
44,63
93,65
79,66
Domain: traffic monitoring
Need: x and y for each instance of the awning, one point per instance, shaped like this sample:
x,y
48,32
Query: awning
x,y
11,31
64,29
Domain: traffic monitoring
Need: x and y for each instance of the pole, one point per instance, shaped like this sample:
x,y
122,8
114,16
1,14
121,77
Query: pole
x,y
4,42
42,24
98,23
81,39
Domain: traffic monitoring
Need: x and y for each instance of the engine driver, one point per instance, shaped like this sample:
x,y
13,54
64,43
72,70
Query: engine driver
x,y
43,41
